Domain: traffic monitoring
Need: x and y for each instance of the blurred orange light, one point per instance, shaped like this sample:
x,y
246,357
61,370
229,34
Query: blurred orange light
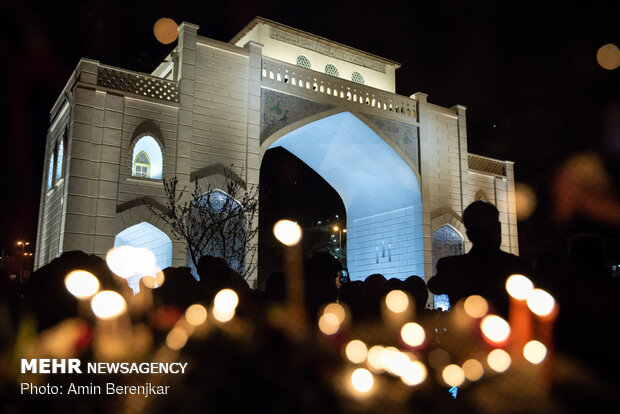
x,y
499,360
412,334
476,306
196,315
495,329
525,199
329,323
540,302
535,352
166,30
519,286
356,351
608,56
473,369
453,375
397,301
82,284
362,380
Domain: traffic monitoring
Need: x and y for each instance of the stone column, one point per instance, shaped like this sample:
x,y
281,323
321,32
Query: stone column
x,y
188,33
252,167
427,149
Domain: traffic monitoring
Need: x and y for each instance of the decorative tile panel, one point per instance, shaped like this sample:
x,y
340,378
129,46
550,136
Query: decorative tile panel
x,y
279,110
405,136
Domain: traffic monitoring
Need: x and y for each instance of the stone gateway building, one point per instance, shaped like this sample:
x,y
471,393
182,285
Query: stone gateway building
x,y
399,163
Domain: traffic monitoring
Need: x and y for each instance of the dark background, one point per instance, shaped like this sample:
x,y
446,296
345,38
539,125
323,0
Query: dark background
x,y
527,73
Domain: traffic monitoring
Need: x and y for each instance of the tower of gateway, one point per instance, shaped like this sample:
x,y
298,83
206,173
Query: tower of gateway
x,y
399,163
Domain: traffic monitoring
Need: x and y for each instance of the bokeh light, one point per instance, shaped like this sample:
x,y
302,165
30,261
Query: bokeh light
x,y
495,329
337,310
540,302
519,286
108,304
166,30
499,360
143,261
356,351
476,306
222,316
329,323
395,361
154,282
535,352
196,314
608,56
473,369
525,201
414,373
374,358
412,334
397,301
287,232
453,375
120,261
226,301
82,284
386,354
438,358
362,380
176,338
224,305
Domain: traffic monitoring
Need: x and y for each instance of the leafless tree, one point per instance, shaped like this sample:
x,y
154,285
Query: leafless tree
x,y
217,222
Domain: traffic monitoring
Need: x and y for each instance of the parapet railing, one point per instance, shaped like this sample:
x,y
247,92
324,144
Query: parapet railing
x,y
138,83
486,165
294,79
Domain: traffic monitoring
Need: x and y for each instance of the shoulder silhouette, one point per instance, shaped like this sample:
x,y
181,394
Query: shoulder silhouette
x,y
485,268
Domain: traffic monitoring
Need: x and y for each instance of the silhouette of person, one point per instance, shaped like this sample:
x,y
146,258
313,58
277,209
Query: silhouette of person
x,y
485,268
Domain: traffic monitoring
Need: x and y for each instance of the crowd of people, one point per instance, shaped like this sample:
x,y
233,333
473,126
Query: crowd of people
x,y
580,281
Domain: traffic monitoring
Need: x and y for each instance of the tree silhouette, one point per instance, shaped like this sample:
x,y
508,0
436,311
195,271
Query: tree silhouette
x,y
217,222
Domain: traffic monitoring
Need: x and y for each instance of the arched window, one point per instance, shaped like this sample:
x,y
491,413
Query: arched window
x,y
446,242
142,165
59,158
357,77
50,171
218,222
147,158
303,62
332,70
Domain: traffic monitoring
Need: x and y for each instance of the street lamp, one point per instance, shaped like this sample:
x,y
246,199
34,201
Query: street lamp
x,y
23,244
340,231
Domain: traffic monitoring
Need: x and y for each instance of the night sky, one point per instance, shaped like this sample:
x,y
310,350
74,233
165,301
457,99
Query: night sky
x,y
526,72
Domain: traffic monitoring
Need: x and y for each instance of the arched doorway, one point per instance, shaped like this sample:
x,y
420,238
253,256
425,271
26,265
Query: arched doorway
x,y
146,235
379,190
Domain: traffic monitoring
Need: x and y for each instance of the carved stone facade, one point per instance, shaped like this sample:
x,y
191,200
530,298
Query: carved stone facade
x,y
400,163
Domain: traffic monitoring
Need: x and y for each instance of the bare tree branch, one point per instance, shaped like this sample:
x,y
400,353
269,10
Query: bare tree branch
x,y
218,222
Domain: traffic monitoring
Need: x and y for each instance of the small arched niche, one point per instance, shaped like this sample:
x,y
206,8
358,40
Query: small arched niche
x,y
446,241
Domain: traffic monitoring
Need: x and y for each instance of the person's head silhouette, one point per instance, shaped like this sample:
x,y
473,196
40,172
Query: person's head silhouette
x,y
481,221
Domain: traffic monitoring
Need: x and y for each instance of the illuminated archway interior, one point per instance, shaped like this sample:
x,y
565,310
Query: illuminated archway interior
x,y
148,236
380,192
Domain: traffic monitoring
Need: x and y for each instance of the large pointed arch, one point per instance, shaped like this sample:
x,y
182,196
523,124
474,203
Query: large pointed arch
x,y
267,143
378,185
